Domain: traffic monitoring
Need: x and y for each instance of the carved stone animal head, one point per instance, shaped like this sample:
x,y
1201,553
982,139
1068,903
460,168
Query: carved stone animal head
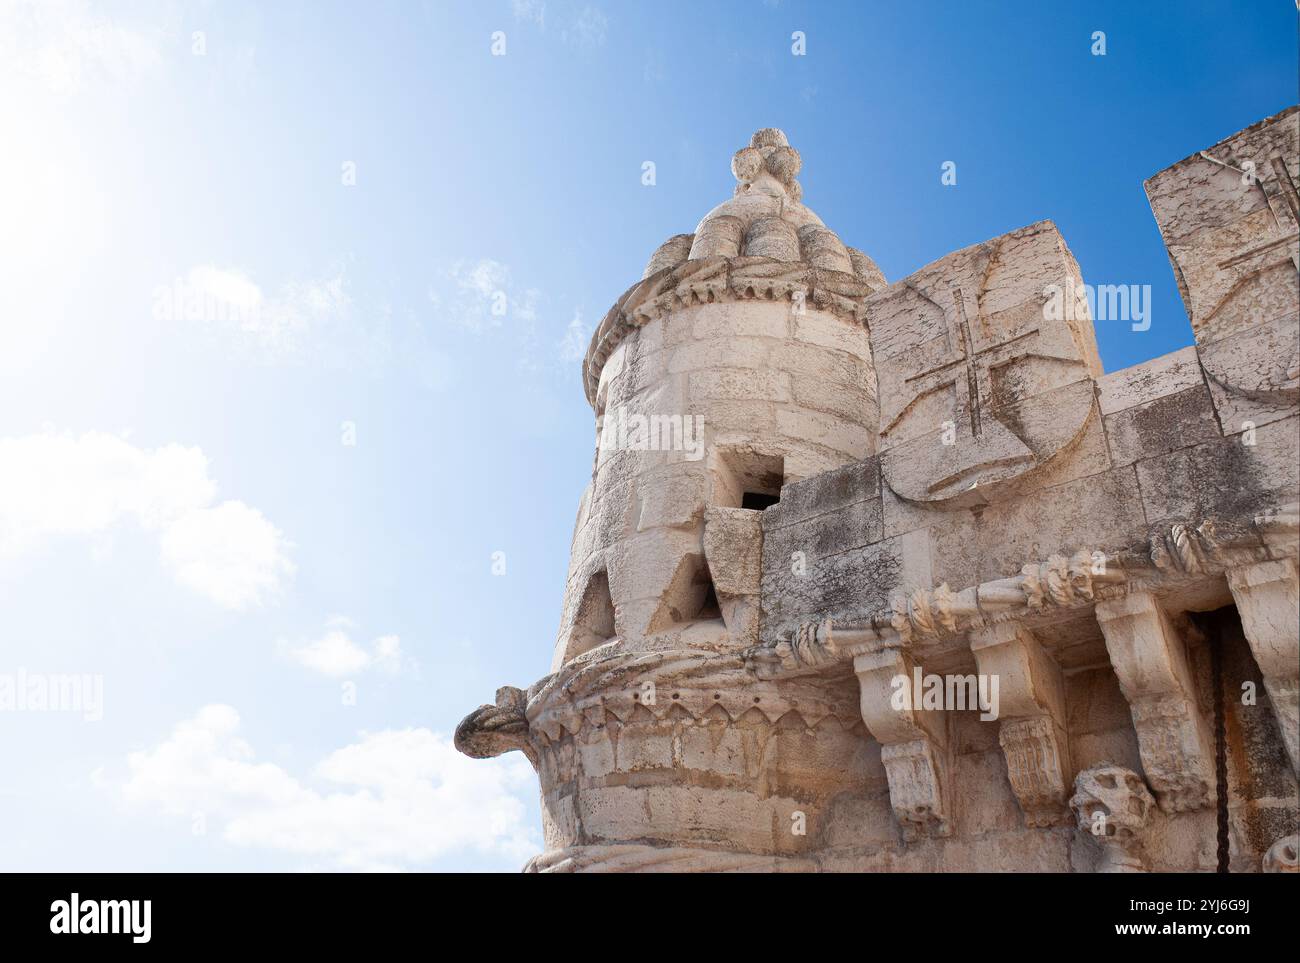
x,y
1112,803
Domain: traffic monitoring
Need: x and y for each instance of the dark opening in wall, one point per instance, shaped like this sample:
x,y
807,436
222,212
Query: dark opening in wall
x,y
594,623
1251,760
745,478
709,607
757,501
690,597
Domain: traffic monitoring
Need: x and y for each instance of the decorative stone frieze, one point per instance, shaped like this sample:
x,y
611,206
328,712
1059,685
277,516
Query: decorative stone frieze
x,y
634,858
718,279
1175,556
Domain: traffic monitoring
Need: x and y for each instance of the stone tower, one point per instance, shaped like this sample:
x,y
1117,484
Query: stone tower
x,y
736,365
809,485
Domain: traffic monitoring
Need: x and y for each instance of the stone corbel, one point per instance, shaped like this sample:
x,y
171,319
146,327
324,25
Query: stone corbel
x,y
1268,601
1032,726
1151,662
914,743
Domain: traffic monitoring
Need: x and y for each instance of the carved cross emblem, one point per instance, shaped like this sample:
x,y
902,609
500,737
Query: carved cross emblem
x,y
967,381
967,358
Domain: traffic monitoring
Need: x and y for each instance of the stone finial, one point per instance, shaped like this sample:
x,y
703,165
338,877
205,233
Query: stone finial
x,y
768,165
769,137
1113,805
764,218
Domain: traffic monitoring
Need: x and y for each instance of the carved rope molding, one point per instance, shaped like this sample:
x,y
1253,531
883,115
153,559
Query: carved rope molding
x,y
1178,554
715,279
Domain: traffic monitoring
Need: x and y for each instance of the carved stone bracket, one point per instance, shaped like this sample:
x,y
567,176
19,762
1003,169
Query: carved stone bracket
x,y
1268,600
1032,729
1151,662
914,744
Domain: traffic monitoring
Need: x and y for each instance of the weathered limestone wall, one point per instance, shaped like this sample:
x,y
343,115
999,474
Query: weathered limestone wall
x,y
1156,457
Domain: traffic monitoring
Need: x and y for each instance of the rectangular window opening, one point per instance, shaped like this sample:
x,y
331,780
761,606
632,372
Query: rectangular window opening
x,y
744,478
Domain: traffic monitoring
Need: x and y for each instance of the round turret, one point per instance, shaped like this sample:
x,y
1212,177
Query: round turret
x,y
740,362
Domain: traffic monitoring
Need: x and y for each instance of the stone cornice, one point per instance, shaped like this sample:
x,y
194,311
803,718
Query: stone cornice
x,y
716,279
1174,555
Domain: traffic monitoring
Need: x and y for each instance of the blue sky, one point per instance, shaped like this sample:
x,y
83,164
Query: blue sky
x,y
288,626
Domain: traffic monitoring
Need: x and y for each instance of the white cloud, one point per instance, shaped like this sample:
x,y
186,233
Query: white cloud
x,y
533,11
232,287
484,296
485,277
336,655
588,28
229,552
576,337
65,45
275,327
55,486
395,799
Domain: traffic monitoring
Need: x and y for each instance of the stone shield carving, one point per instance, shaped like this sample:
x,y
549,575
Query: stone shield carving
x,y
986,360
